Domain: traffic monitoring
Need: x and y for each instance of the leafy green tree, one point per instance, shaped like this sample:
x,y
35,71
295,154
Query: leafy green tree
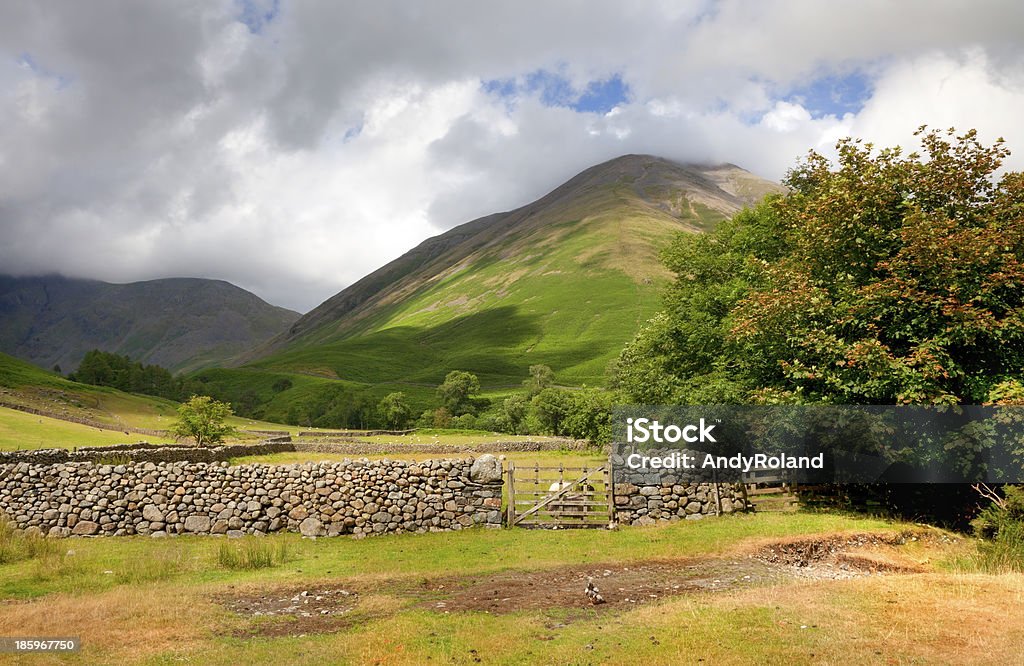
x,y
203,419
589,416
550,407
456,392
440,418
514,411
394,410
101,368
882,279
541,377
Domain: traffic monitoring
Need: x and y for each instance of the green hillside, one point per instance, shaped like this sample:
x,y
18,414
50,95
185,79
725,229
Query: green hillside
x,y
25,385
180,323
563,281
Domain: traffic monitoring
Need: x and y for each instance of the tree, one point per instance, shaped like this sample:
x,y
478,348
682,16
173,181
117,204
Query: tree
x,y
102,368
551,407
394,410
589,416
457,390
514,410
203,419
541,377
885,279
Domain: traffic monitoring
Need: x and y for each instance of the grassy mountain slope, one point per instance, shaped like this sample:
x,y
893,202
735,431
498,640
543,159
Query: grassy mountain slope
x,y
565,281
27,385
22,383
178,323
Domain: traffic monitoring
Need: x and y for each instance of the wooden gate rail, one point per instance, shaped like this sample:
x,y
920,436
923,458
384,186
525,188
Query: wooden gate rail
x,y
581,495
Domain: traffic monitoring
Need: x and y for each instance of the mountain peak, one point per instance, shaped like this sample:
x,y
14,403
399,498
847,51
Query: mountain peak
x,y
582,261
179,323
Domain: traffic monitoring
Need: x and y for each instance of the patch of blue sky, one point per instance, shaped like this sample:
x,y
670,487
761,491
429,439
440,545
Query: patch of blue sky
x,y
256,14
352,133
603,96
834,95
554,89
61,81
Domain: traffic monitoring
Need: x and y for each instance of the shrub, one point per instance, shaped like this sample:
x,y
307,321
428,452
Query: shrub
x,y
464,422
1002,525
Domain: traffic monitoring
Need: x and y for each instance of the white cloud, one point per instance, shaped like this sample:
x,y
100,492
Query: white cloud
x,y
141,141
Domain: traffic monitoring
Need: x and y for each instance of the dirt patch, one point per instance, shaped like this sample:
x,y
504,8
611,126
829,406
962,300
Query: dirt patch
x,y
295,611
639,583
620,586
842,556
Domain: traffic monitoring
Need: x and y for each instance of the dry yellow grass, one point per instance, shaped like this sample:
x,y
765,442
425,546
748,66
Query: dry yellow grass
x,y
125,624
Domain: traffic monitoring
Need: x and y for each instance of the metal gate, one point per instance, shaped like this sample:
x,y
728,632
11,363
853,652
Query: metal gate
x,y
560,496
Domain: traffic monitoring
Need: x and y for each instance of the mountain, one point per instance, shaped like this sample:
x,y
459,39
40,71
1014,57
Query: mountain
x,y
564,281
179,323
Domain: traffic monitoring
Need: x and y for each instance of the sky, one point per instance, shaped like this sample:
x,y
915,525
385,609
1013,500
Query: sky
x,y
291,147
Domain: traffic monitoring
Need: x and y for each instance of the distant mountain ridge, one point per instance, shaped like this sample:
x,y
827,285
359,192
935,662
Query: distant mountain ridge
x,y
564,280
179,323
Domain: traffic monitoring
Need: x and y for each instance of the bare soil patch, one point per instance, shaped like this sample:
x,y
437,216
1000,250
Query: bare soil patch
x,y
295,611
620,586
842,556
639,583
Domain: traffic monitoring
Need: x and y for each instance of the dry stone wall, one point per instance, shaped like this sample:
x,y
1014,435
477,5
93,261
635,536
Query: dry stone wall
x,y
359,497
364,448
144,452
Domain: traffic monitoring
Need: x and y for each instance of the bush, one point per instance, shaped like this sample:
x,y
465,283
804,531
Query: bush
x,y
394,410
1002,525
464,422
513,415
441,418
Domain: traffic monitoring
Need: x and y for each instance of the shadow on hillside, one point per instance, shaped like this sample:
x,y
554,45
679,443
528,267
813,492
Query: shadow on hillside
x,y
489,343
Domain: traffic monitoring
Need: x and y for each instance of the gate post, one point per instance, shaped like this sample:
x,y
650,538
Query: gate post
x,y
511,508
609,487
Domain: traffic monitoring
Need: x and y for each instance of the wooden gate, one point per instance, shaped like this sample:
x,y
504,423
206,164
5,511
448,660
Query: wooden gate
x,y
559,496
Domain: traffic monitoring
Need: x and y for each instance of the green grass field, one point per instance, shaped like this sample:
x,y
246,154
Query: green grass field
x,y
180,600
19,430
